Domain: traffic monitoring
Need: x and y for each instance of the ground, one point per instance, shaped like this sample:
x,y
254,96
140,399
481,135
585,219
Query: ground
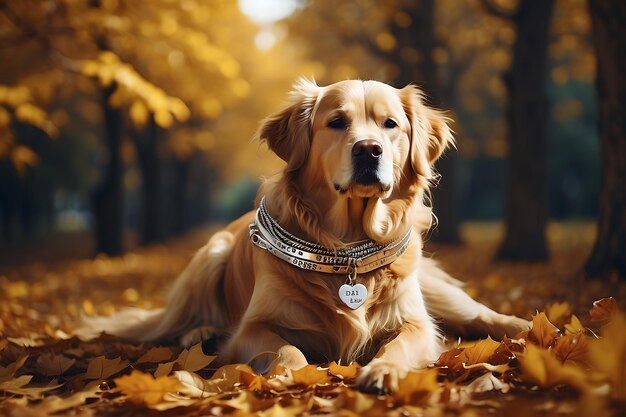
x,y
572,362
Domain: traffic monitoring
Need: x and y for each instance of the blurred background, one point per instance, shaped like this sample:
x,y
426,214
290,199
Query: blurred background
x,y
126,122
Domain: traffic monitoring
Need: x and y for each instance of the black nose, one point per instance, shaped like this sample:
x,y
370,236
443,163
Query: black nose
x,y
367,149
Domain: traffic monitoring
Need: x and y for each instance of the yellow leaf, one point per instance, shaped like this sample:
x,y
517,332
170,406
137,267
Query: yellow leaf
x,y
543,333
608,354
344,372
558,313
417,386
251,379
144,389
480,352
310,375
574,326
541,368
102,368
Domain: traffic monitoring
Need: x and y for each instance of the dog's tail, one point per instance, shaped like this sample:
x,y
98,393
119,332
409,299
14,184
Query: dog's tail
x,y
194,300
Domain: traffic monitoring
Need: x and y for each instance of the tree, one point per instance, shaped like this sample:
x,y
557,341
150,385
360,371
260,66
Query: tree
x,y
526,211
609,251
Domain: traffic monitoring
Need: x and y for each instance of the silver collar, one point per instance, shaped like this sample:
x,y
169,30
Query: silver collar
x,y
266,233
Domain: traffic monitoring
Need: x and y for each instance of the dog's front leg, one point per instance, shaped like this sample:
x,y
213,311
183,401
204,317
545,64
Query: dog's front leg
x,y
415,346
257,345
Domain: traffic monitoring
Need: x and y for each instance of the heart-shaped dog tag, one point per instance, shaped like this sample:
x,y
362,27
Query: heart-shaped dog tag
x,y
353,295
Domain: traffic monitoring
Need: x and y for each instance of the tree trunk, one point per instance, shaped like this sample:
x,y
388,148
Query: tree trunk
x,y
609,252
180,212
108,198
527,116
421,36
146,143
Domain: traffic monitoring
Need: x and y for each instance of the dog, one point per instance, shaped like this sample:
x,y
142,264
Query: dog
x,y
329,266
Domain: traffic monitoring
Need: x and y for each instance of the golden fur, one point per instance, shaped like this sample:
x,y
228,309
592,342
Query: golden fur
x,y
267,312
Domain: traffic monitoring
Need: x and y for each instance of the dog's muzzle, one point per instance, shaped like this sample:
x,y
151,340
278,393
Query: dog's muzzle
x,y
366,157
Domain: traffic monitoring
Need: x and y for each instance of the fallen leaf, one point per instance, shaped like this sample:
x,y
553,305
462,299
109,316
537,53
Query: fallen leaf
x,y
572,348
194,359
480,352
416,387
144,389
608,354
224,379
9,371
54,365
541,368
574,326
164,369
310,375
155,355
19,386
192,384
251,379
102,368
54,403
602,310
344,372
543,333
558,313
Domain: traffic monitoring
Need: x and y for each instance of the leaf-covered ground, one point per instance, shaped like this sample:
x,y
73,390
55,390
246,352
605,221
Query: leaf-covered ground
x,y
573,361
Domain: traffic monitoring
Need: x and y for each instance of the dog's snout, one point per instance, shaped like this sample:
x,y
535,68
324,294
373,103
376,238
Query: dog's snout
x,y
367,148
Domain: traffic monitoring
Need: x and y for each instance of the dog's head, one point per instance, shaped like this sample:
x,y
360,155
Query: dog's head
x,y
360,137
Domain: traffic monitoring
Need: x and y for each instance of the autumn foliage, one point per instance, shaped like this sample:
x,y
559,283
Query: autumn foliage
x,y
571,361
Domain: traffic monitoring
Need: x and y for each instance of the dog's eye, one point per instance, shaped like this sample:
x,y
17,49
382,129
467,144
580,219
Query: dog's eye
x,y
338,123
390,124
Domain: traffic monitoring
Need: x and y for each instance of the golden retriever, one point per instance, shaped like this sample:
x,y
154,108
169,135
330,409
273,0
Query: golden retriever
x,y
359,158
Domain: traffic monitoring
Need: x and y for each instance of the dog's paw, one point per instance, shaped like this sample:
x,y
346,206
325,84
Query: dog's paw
x,y
197,335
509,326
380,376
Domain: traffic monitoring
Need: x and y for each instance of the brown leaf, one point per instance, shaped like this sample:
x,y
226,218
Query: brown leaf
x,y
602,310
450,360
54,365
543,333
144,389
572,348
155,355
194,359
102,368
9,371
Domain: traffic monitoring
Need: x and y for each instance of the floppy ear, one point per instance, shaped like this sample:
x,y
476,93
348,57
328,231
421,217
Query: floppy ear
x,y
288,132
430,133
